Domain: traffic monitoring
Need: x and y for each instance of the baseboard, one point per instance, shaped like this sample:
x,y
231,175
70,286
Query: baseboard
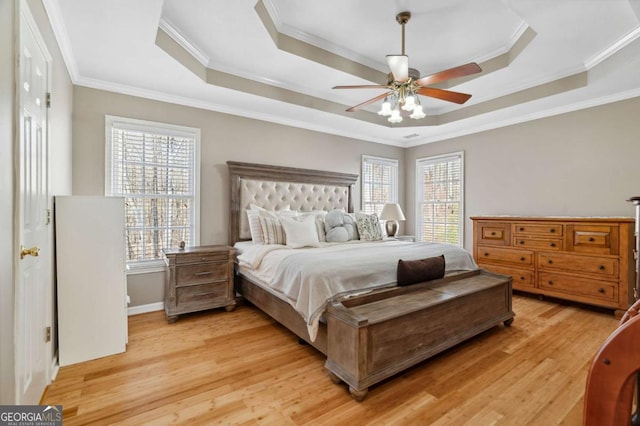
x,y
143,309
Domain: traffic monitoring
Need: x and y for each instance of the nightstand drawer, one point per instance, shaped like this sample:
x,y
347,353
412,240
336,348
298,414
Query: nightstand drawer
x,y
201,273
205,257
204,294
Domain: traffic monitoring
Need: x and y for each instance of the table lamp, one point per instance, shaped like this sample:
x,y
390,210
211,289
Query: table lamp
x,y
392,213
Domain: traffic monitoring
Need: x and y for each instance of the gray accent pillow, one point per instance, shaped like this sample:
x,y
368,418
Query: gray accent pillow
x,y
339,227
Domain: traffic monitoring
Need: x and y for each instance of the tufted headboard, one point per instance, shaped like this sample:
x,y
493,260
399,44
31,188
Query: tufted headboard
x,y
275,188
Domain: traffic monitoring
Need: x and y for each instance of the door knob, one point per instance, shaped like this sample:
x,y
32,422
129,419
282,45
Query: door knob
x,y
33,251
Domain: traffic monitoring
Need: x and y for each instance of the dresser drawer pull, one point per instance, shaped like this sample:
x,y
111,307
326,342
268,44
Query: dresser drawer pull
x,y
550,282
552,230
521,241
550,261
591,239
522,259
521,229
552,244
493,233
486,254
522,278
601,267
203,273
601,290
203,294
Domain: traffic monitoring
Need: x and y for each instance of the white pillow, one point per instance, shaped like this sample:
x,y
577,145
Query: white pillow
x,y
300,233
255,228
318,217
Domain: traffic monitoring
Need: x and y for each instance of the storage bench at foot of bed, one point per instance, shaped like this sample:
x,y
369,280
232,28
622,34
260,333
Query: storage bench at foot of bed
x,y
375,336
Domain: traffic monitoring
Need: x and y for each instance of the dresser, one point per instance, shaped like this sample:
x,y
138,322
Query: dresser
x,y
588,260
198,278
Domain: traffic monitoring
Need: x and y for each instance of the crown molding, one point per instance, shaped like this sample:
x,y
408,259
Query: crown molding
x,y
620,44
60,32
211,106
173,32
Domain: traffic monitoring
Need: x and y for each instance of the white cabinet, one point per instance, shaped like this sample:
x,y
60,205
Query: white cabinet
x,y
91,278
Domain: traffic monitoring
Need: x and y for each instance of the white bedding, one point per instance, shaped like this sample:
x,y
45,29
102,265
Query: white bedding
x,y
309,278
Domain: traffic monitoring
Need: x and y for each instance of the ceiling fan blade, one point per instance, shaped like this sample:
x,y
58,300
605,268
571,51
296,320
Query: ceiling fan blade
x,y
399,66
363,86
461,71
370,101
445,95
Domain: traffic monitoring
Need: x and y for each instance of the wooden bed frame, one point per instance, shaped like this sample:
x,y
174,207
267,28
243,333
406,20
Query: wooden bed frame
x,y
369,338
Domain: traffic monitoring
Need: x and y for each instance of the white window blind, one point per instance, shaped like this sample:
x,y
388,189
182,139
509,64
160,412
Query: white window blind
x,y
155,167
439,187
379,183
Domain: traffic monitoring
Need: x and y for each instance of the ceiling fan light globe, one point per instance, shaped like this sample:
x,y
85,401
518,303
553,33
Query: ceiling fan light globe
x,y
395,116
385,110
418,113
409,103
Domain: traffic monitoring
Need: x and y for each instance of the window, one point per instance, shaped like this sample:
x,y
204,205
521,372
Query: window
x,y
379,183
439,188
155,167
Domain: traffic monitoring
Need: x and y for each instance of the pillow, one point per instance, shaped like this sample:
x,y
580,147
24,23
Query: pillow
x,y
417,271
339,227
318,218
300,233
254,224
368,227
272,230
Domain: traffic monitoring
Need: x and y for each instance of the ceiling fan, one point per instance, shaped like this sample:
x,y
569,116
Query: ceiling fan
x,y
405,84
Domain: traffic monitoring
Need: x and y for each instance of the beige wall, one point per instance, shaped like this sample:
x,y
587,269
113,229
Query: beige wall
x,y
60,169
224,137
583,163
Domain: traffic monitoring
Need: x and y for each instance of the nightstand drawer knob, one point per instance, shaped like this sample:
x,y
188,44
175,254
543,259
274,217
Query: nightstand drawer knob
x,y
203,273
203,294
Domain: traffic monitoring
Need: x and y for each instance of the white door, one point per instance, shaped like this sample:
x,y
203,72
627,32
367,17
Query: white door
x,y
33,282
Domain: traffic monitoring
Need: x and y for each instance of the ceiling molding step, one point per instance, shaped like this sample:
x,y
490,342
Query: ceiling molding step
x,y
620,44
540,91
178,52
324,44
516,119
500,58
173,32
316,54
60,32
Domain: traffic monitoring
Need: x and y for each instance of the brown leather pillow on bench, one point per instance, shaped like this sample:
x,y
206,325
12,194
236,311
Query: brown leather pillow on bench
x,y
417,271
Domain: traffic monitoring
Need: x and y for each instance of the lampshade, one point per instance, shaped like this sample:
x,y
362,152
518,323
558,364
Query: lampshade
x,y
386,108
395,116
392,211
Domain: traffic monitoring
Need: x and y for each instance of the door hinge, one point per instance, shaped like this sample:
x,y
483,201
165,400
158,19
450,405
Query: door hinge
x,y
47,216
48,334
48,100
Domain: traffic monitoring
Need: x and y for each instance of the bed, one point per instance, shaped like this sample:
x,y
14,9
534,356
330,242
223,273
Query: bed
x,y
368,334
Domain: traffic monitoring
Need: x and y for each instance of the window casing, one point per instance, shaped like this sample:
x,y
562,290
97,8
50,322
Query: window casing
x,y
379,183
440,199
156,168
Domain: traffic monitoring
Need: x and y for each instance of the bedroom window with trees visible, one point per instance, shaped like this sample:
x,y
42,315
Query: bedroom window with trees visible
x,y
379,183
156,168
440,189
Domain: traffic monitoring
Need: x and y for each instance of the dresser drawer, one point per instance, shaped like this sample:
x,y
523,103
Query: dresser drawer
x,y
201,273
607,267
202,295
505,255
596,239
494,233
548,229
521,279
594,289
537,243
205,257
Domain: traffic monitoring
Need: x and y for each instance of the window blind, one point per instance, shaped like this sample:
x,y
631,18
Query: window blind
x,y
154,169
379,183
440,198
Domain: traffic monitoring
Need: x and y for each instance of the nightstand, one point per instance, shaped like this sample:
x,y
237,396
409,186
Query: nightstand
x,y
411,238
198,278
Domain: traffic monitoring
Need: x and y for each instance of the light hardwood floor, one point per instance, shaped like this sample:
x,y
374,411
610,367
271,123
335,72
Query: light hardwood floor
x,y
241,367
